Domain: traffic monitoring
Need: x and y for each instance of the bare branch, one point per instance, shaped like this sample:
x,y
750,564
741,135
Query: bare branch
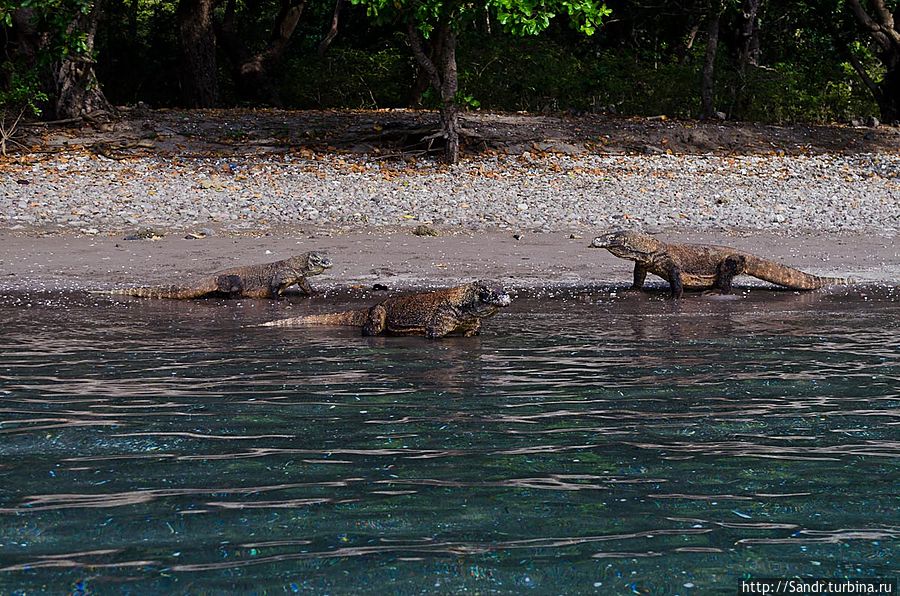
x,y
860,69
884,15
415,42
333,30
875,29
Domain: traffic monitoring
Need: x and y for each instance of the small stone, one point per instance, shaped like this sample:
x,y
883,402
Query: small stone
x,y
651,150
146,234
424,230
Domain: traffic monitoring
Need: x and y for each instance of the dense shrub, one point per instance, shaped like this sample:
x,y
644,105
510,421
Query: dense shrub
x,y
349,78
509,74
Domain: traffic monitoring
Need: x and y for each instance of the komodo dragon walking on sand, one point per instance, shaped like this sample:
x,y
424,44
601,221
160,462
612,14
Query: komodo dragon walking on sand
x,y
268,280
432,314
701,266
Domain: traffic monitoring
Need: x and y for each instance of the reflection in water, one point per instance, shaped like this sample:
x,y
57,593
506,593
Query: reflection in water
x,y
590,442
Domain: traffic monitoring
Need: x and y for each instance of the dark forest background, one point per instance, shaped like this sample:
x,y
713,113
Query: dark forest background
x,y
817,61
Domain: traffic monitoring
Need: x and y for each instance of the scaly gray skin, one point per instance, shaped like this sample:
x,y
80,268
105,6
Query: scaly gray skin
x,y
436,314
268,280
701,266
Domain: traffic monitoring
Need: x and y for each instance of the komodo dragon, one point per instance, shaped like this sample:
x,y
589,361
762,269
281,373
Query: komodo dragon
x,y
268,280
432,314
701,266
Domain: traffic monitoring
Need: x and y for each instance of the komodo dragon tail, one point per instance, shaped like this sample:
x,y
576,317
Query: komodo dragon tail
x,y
355,318
169,292
783,275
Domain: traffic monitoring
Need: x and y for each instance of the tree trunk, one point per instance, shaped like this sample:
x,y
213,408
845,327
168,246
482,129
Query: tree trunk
x,y
450,85
708,84
199,85
883,31
78,92
682,51
333,29
252,73
442,72
419,87
889,97
748,50
749,34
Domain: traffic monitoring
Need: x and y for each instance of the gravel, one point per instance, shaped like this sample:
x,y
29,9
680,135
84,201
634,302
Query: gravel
x,y
542,192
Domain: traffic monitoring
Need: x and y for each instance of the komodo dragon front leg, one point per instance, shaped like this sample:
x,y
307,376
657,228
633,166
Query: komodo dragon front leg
x,y
443,322
730,267
668,270
376,321
640,276
281,280
304,286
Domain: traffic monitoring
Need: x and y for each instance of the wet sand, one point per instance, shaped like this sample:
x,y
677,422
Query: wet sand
x,y
400,260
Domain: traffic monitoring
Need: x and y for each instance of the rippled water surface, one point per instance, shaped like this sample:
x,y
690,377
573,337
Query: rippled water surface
x,y
584,443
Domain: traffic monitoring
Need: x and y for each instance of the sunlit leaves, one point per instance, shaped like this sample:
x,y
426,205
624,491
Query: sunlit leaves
x,y
56,18
520,17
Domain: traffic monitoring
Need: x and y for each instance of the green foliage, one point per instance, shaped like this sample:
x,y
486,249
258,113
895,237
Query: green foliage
x,y
633,68
627,84
508,73
530,17
467,101
349,78
55,18
519,17
22,93
784,93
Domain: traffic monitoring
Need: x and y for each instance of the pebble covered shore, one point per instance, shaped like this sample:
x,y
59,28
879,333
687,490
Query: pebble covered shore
x,y
90,194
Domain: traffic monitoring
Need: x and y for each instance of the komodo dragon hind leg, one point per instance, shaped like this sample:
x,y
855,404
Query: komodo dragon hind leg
x,y
231,285
730,267
442,323
376,322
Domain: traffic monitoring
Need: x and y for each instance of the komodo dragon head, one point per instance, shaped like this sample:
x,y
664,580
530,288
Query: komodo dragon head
x,y
628,244
491,295
311,263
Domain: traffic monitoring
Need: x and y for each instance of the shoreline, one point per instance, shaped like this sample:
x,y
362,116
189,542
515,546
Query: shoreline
x,y
825,200
400,260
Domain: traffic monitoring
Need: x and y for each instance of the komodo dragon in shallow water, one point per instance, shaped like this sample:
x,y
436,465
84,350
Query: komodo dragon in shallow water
x,y
436,314
268,280
701,266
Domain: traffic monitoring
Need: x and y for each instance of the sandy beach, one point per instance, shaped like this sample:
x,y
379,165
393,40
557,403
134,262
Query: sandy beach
x,y
825,200
400,260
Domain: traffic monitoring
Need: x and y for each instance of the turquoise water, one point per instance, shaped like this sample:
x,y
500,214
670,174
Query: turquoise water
x,y
584,443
